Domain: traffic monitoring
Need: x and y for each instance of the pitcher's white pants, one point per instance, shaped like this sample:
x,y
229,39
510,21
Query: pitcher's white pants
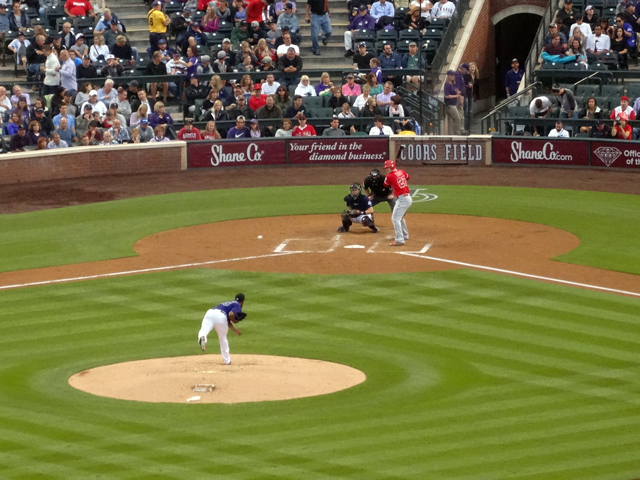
x,y
403,202
216,319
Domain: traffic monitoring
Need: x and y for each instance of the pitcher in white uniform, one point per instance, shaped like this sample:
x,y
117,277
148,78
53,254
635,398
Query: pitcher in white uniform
x,y
221,319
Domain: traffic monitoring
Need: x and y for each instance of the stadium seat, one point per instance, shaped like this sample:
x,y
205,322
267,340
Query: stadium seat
x,y
519,112
403,45
439,23
603,103
172,7
612,90
414,35
387,33
587,90
60,21
363,36
313,103
84,22
225,28
433,34
214,38
325,112
598,66
552,66
633,90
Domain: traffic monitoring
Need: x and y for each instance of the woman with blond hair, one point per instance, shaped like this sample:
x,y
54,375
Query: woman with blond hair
x,y
304,89
142,112
247,86
325,85
211,132
159,116
263,50
361,100
210,22
98,50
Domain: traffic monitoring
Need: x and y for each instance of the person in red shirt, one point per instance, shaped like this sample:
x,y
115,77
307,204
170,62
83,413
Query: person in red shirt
x,y
621,129
257,100
254,9
189,132
78,8
303,130
397,180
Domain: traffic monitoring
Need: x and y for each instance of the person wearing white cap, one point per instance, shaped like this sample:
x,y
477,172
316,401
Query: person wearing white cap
x,y
590,17
112,68
96,105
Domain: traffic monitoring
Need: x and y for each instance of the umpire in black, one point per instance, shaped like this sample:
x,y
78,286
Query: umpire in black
x,y
376,191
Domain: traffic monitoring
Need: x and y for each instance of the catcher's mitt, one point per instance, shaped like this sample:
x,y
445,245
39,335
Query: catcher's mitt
x,y
241,316
350,213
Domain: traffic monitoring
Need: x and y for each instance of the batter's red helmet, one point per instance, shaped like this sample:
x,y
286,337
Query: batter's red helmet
x,y
390,164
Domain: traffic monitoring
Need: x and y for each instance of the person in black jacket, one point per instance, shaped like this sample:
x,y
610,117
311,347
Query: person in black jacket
x,y
85,69
156,67
18,20
601,130
194,90
35,56
19,140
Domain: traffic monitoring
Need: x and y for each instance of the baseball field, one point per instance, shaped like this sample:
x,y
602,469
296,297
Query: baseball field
x,y
474,370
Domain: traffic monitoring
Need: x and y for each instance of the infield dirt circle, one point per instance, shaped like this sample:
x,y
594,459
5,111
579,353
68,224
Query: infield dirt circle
x,y
310,245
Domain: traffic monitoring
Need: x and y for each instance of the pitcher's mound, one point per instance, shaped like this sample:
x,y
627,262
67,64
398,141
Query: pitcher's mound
x,y
250,378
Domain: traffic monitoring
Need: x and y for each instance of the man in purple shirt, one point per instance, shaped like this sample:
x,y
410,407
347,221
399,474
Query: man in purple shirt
x,y
239,131
362,21
222,319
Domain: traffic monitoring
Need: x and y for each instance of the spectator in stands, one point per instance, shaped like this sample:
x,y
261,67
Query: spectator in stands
x,y
362,21
255,34
189,132
107,139
119,132
210,22
289,20
269,111
83,94
601,130
290,65
107,93
282,98
598,43
165,52
584,28
270,86
247,64
204,66
255,131
211,132
144,130
623,108
195,37
362,57
577,50
18,20
15,122
35,133
425,8
452,99
303,129
553,30
112,68
19,47
591,112
239,131
56,142
79,47
56,44
514,77
156,67
372,81
443,9
139,115
334,129
630,37
414,20
22,109
577,34
383,13
412,60
68,73
258,99
84,142
361,100
395,107
82,122
337,98
158,23
554,52
96,105
19,140
78,8
630,17
5,25
122,103
160,116
286,130
51,70
94,133
98,51
590,17
194,91
390,60
565,101
104,24
261,52
286,44
325,86
351,89
36,56
217,113
298,109
67,36
222,64
559,131
122,50
64,113
540,107
567,15
619,45
223,12
304,89
240,109
5,104
66,133
180,24
371,109
240,33
346,111
135,136
384,99
379,127
231,55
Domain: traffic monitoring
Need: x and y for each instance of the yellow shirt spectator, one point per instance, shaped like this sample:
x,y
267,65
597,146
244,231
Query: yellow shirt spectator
x,y
157,21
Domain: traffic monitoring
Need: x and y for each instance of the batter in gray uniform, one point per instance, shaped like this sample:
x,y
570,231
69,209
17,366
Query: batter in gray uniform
x,y
376,190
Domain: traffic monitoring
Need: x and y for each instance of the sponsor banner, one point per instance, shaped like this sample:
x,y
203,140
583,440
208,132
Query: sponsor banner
x,y
615,154
327,150
540,151
430,150
236,153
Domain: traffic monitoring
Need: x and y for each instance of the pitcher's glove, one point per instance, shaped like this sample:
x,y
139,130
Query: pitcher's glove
x,y
241,316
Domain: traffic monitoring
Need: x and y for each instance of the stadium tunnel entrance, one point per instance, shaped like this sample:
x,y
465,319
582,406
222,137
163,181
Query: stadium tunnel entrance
x,y
514,35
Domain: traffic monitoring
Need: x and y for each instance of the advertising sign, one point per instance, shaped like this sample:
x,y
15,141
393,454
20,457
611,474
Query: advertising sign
x,y
430,150
236,153
327,150
540,151
615,154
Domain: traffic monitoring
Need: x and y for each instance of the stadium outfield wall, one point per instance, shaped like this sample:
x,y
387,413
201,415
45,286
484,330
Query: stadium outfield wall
x,y
473,151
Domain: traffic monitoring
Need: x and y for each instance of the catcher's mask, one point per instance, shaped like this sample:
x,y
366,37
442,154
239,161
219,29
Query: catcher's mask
x,y
375,172
355,187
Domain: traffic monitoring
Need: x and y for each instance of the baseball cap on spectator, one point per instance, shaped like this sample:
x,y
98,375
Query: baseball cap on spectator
x,y
188,121
257,86
514,60
451,72
226,40
88,107
79,36
193,75
176,53
240,117
255,24
350,76
302,115
362,44
205,58
162,40
67,93
362,8
553,25
221,54
413,44
243,23
465,66
86,57
113,105
568,1
267,59
556,88
589,7
144,121
21,34
39,110
113,21
285,28
21,127
92,93
624,97
187,9
110,57
2,5
354,10
134,83
156,3
254,120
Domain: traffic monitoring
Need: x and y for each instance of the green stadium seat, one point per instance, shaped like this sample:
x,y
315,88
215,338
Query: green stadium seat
x,y
313,102
612,90
587,90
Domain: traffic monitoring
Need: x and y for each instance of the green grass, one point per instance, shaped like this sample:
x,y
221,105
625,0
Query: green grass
x,y
470,375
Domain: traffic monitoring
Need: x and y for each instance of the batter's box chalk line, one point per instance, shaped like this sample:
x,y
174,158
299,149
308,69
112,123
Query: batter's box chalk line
x,y
337,242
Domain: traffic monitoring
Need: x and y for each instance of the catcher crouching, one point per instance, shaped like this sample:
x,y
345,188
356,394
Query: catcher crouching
x,y
359,210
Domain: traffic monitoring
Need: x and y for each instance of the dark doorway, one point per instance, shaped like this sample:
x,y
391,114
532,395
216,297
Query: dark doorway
x,y
514,36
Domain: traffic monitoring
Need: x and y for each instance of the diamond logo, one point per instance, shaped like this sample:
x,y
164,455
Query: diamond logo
x,y
608,155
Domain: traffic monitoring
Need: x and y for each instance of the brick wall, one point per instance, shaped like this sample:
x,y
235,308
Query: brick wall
x,y
95,161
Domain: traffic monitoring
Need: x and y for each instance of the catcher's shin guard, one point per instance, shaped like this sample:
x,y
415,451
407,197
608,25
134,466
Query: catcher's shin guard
x,y
346,223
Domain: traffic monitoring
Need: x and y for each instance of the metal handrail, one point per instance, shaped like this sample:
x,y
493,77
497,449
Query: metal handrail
x,y
440,58
491,119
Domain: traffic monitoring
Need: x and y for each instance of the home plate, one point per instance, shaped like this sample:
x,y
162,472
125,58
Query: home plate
x,y
354,246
